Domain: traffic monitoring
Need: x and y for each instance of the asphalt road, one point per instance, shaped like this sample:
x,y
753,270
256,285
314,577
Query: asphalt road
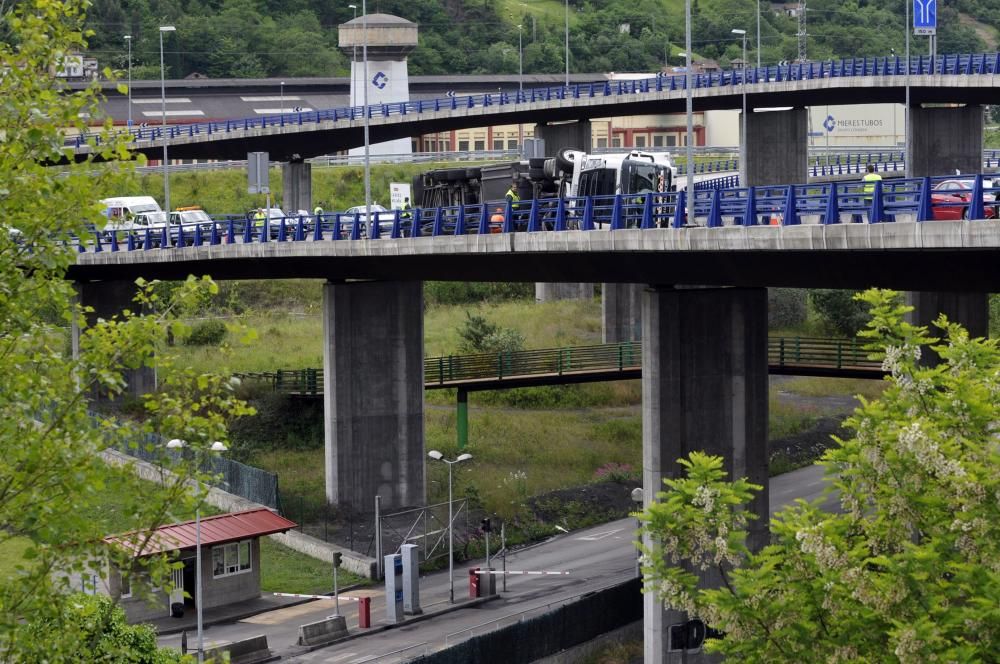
x,y
595,558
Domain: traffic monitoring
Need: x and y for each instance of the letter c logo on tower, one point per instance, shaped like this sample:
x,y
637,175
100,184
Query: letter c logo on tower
x,y
829,124
380,80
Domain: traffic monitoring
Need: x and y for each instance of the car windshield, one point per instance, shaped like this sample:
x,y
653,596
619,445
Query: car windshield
x,y
156,217
195,215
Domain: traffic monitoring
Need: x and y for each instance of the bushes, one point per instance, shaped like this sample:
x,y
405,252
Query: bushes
x,y
463,292
206,333
839,311
786,308
478,335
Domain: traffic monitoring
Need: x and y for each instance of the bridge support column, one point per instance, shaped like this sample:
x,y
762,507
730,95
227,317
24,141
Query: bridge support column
x,y
374,393
545,292
704,387
945,139
576,135
109,298
941,141
621,312
296,178
972,310
777,147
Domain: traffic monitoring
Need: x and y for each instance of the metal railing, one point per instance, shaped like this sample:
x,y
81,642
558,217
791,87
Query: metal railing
x,y
973,197
783,353
961,64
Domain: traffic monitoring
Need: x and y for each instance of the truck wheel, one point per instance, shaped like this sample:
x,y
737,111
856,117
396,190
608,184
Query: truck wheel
x,y
536,162
564,162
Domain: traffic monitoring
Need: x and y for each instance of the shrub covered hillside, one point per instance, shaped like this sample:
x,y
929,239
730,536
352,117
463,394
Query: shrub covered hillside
x,y
261,38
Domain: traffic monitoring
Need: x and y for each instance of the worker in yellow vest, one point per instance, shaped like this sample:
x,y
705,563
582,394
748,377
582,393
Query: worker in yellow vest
x,y
870,178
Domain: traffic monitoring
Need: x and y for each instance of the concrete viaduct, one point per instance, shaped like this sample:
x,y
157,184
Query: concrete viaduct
x,y
699,292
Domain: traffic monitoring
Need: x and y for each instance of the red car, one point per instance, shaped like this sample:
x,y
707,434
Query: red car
x,y
950,198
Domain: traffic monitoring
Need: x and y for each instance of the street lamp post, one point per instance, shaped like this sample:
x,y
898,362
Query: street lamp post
x,y
215,447
743,118
128,40
354,49
567,43
163,129
758,34
437,456
907,165
368,168
520,83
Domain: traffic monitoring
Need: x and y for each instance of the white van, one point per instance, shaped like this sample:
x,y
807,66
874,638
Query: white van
x,y
133,213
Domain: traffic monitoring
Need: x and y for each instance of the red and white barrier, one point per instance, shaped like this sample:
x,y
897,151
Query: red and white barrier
x,y
364,605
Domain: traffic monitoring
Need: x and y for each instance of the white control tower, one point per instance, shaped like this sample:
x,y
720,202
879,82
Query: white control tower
x,y
390,39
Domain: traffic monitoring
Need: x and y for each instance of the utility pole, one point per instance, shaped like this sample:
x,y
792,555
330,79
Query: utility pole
x,y
802,31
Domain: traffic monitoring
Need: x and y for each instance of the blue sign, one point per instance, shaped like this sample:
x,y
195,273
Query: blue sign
x,y
924,17
380,79
829,124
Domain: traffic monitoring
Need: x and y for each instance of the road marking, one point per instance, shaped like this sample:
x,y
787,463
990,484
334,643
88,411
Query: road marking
x,y
273,98
281,615
516,572
172,114
278,111
599,536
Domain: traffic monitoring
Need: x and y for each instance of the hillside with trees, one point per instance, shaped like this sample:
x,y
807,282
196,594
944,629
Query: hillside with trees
x,y
266,38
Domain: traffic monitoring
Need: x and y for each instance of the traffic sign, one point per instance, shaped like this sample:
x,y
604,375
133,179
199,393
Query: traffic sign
x,y
924,17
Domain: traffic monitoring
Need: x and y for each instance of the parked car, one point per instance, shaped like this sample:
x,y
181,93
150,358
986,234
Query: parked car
x,y
950,200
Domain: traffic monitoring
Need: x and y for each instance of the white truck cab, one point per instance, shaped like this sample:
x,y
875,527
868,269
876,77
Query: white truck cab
x,y
632,172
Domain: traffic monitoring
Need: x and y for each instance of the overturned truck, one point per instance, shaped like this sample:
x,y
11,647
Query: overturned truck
x,y
569,175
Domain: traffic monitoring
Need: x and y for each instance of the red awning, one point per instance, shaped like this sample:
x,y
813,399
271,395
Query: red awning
x,y
214,530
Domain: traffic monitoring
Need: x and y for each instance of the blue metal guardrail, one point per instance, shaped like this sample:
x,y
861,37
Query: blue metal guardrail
x,y
961,64
920,199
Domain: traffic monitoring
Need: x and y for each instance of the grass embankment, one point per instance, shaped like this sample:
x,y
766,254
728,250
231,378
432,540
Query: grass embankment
x,y
224,191
281,568
526,442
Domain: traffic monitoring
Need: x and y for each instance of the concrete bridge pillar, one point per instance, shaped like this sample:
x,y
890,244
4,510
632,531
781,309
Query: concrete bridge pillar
x,y
777,147
546,292
296,177
574,134
621,312
557,136
704,387
108,299
945,139
373,365
972,310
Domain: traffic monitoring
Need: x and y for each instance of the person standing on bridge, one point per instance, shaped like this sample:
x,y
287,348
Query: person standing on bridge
x,y
511,194
258,221
870,178
318,211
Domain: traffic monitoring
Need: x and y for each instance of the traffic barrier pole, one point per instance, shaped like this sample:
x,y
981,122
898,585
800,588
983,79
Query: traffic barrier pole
x,y
365,612
474,583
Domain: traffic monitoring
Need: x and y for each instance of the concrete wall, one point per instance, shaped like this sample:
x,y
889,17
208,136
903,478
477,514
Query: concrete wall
x,y
546,292
109,299
621,312
374,393
945,139
234,587
296,180
704,387
559,135
777,147
387,81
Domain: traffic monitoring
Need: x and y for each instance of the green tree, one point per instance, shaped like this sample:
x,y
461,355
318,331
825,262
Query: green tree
x,y
99,628
840,310
52,468
907,572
